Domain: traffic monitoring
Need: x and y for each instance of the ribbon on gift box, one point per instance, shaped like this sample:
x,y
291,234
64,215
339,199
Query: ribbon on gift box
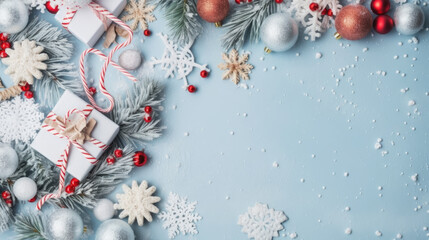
x,y
102,14
76,129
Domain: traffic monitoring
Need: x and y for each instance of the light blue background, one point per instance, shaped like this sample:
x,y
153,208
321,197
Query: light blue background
x,y
293,112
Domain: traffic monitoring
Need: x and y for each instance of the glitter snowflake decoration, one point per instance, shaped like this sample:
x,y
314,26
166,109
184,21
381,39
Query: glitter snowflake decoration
x,y
177,61
137,202
38,4
236,66
140,12
19,120
261,222
315,15
180,216
25,61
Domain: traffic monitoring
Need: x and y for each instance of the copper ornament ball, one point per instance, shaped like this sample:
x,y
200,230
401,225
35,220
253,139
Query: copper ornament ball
x,y
213,11
353,22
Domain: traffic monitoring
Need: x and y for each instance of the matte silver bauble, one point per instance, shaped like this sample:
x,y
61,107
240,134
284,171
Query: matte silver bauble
x,y
114,229
130,59
13,16
279,32
24,189
409,19
8,161
65,224
104,210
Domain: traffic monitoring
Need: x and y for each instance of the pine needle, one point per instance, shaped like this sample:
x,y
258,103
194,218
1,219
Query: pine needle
x,y
30,225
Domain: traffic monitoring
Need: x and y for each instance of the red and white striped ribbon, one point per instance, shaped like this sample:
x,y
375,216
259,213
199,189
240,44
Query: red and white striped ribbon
x,y
62,162
108,59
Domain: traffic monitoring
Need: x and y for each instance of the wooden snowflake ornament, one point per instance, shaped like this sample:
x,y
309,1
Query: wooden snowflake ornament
x,y
236,66
25,61
140,12
137,202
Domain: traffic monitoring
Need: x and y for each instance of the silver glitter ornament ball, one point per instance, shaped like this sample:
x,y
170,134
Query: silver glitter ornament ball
x,y
65,224
114,229
279,32
409,19
130,59
13,16
8,161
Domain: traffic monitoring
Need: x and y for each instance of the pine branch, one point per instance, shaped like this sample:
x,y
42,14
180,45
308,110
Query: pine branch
x,y
245,21
6,216
30,225
182,18
61,74
129,113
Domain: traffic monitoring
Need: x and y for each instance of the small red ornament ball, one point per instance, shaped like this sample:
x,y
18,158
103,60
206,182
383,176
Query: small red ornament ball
x,y
192,88
5,45
33,199
279,1
383,24
70,189
353,22
51,9
26,87
29,94
5,195
147,118
204,74
92,90
140,158
119,153
74,182
110,160
3,37
3,54
314,6
380,7
147,32
148,109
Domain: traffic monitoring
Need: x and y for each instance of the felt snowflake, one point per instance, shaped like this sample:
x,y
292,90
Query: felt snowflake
x,y
19,120
140,12
177,61
38,4
25,61
236,66
137,202
180,216
261,222
314,15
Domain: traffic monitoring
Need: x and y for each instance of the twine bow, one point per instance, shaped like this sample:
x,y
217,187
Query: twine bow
x,y
78,129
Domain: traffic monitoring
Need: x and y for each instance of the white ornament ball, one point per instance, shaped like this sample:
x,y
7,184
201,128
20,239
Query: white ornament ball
x,y
130,59
114,229
24,189
65,224
409,19
8,161
279,32
104,209
13,16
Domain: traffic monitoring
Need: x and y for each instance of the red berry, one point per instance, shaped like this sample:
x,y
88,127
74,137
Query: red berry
x,y
3,54
51,9
110,160
147,32
324,11
147,118
119,153
314,6
237,1
148,109
75,182
192,88
8,202
33,199
279,1
5,45
5,195
140,158
28,94
26,87
3,37
330,13
204,74
70,189
92,90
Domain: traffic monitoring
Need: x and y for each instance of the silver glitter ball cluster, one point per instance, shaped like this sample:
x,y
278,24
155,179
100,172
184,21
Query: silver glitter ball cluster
x,y
65,224
13,16
279,32
8,161
114,229
409,19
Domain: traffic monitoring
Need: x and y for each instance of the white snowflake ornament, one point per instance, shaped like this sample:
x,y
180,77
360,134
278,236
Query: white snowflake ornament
x,y
25,61
315,15
180,216
137,202
177,61
38,4
19,120
261,222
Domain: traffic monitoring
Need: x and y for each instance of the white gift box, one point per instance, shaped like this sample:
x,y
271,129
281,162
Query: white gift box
x,y
86,26
52,147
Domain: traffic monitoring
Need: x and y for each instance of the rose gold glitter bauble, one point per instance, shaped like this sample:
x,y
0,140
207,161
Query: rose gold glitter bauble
x,y
213,11
353,22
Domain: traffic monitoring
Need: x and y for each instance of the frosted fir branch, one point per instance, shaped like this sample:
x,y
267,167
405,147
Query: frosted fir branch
x,y
246,21
30,225
182,18
6,216
61,74
129,113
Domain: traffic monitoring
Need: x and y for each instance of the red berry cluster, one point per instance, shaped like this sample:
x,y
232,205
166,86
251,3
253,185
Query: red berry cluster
x,y
243,1
27,92
71,188
4,44
118,153
315,7
383,23
7,198
147,116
